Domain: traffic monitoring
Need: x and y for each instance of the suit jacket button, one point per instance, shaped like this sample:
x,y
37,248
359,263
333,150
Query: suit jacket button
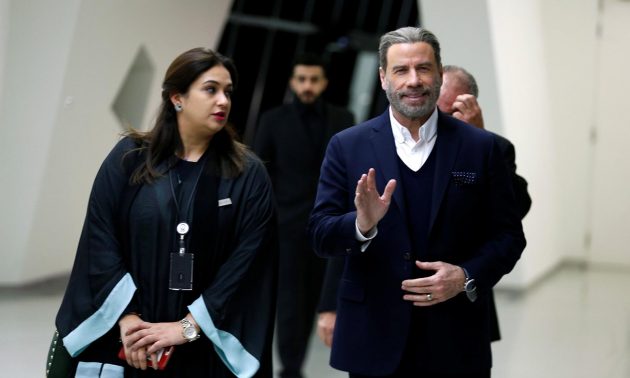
x,y
407,256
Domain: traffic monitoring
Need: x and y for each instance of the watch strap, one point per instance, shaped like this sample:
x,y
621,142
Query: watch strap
x,y
466,273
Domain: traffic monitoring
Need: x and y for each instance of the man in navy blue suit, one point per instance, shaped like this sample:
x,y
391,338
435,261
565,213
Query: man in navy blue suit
x,y
422,206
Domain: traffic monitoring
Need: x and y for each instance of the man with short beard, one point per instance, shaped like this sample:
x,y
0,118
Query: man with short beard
x,y
420,205
291,140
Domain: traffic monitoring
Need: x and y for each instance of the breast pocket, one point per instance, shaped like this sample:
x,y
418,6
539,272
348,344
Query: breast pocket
x,y
465,190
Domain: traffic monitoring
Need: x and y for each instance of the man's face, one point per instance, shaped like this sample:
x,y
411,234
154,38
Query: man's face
x,y
452,87
308,83
412,80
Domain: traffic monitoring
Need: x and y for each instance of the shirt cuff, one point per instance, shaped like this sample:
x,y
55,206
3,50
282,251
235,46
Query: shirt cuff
x,y
364,239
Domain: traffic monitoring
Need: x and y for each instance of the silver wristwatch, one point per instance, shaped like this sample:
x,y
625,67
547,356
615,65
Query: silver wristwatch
x,y
470,287
188,330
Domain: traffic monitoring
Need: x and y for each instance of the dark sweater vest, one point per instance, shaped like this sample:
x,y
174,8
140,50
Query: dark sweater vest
x,y
418,192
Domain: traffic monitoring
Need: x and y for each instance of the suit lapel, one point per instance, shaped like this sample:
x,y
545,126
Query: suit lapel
x,y
447,146
384,148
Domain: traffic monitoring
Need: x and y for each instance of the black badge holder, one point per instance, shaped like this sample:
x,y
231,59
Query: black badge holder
x,y
181,270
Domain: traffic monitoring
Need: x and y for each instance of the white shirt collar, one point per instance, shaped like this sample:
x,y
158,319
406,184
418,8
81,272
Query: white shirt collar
x,y
402,135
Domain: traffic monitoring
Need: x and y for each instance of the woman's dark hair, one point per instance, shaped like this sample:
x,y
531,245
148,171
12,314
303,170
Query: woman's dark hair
x,y
225,155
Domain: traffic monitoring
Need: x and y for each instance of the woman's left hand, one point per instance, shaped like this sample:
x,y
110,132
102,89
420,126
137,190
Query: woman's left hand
x,y
154,336
137,358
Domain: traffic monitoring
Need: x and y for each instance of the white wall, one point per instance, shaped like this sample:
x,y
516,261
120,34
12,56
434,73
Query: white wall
x,y
463,29
524,88
64,65
570,47
34,67
611,178
4,36
534,60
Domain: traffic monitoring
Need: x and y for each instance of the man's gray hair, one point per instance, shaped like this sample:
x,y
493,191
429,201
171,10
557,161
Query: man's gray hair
x,y
466,77
407,34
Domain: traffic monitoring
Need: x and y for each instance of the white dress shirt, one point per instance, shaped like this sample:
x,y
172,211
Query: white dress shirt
x,y
414,154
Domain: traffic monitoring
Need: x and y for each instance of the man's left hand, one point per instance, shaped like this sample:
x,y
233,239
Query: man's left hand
x,y
447,281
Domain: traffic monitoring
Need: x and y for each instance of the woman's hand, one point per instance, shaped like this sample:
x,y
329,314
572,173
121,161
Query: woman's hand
x,y
135,357
142,339
155,336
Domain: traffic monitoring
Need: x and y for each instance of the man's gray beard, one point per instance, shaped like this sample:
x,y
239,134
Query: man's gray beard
x,y
414,112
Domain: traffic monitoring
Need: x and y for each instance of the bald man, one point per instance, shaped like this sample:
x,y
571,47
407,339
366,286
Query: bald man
x,y
458,97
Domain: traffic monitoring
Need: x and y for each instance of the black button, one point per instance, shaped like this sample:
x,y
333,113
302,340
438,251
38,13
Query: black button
x,y
407,256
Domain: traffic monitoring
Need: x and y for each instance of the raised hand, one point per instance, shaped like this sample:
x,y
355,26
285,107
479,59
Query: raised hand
x,y
371,206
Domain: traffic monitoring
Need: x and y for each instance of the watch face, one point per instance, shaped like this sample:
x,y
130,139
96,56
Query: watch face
x,y
190,332
470,285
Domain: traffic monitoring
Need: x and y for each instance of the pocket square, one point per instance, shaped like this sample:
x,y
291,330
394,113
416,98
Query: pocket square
x,y
464,178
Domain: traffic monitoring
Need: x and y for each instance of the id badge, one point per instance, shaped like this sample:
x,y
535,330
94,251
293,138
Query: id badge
x,y
181,275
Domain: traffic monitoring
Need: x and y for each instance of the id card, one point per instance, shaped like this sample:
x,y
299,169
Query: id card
x,y
181,274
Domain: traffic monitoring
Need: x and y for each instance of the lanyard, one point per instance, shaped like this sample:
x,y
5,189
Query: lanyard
x,y
183,223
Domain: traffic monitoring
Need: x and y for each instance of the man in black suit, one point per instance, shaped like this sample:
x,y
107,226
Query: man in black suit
x,y
421,206
458,97
291,140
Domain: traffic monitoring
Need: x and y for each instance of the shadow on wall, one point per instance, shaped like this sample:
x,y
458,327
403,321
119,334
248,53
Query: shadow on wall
x,y
132,98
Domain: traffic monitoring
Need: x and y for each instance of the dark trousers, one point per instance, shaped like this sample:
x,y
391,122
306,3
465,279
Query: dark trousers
x,y
416,360
299,285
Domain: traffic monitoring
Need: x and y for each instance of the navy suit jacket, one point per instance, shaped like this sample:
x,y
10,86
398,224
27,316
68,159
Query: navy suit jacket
x,y
473,224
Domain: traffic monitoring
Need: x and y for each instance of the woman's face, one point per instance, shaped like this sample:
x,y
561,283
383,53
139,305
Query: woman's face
x,y
206,105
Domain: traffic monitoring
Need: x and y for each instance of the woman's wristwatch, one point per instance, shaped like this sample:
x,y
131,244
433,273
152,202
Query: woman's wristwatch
x,y
189,331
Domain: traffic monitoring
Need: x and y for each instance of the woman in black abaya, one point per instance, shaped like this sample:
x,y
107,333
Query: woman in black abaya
x,y
177,245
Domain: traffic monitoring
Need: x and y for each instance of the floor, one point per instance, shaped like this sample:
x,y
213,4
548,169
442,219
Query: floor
x,y
576,323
